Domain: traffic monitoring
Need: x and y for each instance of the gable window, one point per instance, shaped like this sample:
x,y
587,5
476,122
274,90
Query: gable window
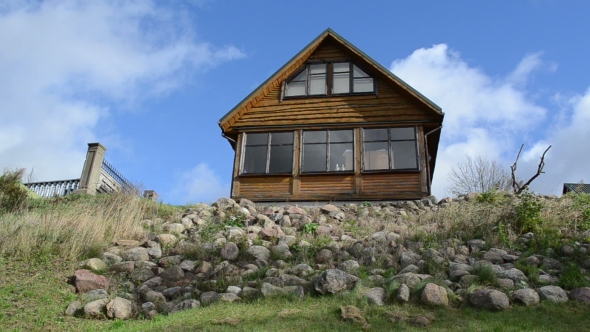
x,y
328,151
390,148
345,82
268,153
309,82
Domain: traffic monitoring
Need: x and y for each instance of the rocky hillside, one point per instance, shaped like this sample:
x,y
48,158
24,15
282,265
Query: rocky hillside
x,y
489,251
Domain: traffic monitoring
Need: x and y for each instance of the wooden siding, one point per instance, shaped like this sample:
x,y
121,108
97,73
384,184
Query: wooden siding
x,y
328,184
264,187
381,185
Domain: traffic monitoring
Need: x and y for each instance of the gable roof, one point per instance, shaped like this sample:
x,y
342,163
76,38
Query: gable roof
x,y
576,187
299,59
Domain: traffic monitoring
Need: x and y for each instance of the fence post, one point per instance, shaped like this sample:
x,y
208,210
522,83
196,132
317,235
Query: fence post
x,y
92,166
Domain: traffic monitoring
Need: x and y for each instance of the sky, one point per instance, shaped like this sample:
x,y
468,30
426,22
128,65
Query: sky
x,y
151,79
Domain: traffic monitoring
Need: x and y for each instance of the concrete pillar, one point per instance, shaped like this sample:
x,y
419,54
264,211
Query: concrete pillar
x,y
92,167
151,195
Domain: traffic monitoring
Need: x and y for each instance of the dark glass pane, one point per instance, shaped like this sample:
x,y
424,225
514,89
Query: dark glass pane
x,y
402,133
341,135
257,139
341,157
315,136
281,159
255,159
375,156
375,134
404,155
314,158
281,138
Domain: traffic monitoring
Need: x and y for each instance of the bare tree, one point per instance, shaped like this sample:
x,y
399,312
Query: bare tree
x,y
519,186
478,174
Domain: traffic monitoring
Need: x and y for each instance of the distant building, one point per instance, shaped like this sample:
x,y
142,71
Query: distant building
x,y
576,188
333,124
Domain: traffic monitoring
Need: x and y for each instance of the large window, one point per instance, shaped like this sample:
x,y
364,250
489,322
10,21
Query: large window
x,y
268,153
389,148
312,80
328,151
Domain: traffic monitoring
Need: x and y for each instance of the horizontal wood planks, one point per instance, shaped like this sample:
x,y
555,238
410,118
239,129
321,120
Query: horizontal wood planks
x,y
388,183
326,184
259,187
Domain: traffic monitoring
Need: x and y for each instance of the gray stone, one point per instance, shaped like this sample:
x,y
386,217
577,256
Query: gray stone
x,y
96,294
410,279
187,265
174,228
136,254
174,273
259,252
234,289
280,251
403,293
410,268
230,251
142,274
514,274
329,208
155,297
75,308
553,294
291,280
324,256
434,295
85,281
210,298
302,270
505,283
172,293
551,263
269,290
349,266
409,258
376,296
167,240
476,245
186,305
250,293
334,281
489,299
96,309
120,308
169,261
581,294
111,258
525,296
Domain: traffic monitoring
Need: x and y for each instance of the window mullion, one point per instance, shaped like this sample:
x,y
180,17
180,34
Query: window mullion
x,y
389,148
328,150
268,153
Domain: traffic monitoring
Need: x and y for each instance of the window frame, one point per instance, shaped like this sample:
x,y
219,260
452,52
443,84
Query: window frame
x,y
269,146
327,143
328,80
389,150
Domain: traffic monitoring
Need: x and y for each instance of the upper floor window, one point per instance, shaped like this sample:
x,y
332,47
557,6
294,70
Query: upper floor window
x,y
268,153
390,148
348,78
310,81
329,78
328,151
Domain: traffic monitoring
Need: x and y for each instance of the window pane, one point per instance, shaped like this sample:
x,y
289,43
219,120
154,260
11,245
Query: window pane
x,y
314,158
375,156
257,139
281,138
315,136
281,159
317,69
363,85
341,135
302,77
375,134
295,89
255,159
402,133
358,73
341,67
341,157
317,85
404,154
341,83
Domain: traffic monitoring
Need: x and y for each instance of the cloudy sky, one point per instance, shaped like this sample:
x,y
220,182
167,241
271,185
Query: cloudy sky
x,y
151,79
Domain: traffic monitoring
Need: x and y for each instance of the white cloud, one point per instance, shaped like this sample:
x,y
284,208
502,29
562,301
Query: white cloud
x,y
63,62
484,115
200,184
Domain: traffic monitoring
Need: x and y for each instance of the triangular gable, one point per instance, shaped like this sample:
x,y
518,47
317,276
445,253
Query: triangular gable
x,y
298,60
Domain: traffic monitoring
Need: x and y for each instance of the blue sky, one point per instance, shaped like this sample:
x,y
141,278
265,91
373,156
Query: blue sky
x,y
151,79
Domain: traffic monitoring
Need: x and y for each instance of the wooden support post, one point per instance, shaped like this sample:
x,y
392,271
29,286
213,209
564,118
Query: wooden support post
x,y
92,167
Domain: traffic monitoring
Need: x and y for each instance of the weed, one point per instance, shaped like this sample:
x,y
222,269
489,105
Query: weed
x,y
310,228
365,204
236,221
572,277
485,275
492,196
13,195
528,213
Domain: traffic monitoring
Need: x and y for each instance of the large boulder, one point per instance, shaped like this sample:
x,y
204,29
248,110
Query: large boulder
x,y
581,294
525,296
259,252
120,308
553,294
136,254
489,299
376,296
434,295
96,309
334,281
85,281
230,251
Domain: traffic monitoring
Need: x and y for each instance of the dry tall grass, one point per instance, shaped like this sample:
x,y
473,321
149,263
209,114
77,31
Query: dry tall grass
x,y
72,230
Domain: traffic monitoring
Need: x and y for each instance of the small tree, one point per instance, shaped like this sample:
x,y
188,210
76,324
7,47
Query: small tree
x,y
13,195
478,174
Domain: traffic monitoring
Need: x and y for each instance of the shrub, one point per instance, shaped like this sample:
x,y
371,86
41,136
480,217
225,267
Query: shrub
x,y
572,277
528,213
13,195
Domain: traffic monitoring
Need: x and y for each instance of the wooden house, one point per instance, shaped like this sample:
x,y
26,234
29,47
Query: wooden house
x,y
333,124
